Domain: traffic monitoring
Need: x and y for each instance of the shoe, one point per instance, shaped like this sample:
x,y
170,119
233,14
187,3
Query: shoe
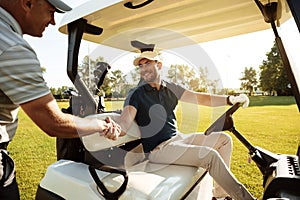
x,y
222,198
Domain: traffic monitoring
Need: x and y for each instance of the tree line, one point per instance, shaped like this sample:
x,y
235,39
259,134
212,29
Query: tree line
x,y
272,79
117,84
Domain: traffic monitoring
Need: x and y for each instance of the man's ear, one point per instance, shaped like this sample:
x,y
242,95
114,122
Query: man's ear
x,y
159,65
26,4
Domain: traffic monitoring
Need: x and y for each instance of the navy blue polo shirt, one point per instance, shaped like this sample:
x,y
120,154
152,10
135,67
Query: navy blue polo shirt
x,y
155,112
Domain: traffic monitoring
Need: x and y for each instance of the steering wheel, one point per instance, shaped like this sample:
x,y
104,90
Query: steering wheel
x,y
224,122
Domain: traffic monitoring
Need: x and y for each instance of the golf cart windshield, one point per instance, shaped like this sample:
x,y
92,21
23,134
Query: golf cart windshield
x,y
116,23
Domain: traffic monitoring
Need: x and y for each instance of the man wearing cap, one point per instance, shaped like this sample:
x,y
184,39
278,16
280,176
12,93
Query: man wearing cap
x,y
152,103
22,84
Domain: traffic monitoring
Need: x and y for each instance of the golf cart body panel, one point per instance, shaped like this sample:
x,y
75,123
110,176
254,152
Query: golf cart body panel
x,y
146,181
166,24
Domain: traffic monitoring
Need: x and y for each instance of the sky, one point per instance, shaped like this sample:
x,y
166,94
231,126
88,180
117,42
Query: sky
x,y
230,56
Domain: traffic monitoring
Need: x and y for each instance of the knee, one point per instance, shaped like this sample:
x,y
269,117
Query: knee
x,y
208,153
226,139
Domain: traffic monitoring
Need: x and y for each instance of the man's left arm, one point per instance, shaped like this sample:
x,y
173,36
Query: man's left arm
x,y
212,100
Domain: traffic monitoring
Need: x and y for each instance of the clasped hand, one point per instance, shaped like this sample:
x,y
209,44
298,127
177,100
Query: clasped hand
x,y
112,129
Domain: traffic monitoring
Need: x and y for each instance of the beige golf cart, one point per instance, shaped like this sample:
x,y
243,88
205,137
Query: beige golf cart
x,y
81,172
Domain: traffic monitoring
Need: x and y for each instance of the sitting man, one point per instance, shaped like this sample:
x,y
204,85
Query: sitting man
x,y
152,103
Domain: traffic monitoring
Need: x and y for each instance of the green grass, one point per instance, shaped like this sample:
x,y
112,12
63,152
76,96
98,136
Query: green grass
x,y
271,101
270,122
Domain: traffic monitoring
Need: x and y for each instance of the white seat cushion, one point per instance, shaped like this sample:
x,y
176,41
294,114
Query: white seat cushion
x,y
72,180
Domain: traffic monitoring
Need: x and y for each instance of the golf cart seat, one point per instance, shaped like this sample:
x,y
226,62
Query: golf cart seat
x,y
160,182
141,179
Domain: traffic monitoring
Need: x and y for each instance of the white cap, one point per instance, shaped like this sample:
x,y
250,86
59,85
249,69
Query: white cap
x,y
59,6
150,55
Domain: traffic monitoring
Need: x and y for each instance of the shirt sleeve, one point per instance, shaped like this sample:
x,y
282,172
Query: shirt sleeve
x,y
176,89
22,79
132,99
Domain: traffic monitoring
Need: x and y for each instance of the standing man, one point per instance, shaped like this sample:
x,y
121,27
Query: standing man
x,y
22,84
152,103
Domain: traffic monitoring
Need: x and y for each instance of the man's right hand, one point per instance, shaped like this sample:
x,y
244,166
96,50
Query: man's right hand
x,y
112,129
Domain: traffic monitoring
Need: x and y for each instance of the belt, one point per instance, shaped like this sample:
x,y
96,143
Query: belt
x,y
4,145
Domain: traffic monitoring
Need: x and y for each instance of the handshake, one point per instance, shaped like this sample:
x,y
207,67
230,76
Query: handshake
x,y
242,99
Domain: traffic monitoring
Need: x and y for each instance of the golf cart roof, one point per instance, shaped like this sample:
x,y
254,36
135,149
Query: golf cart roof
x,y
169,23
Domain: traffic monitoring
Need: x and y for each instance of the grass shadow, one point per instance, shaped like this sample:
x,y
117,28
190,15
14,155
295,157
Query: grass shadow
x,y
271,100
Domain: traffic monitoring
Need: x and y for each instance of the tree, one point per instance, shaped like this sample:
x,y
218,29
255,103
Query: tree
x,y
206,84
86,72
135,76
117,82
249,80
184,75
273,77
187,77
60,93
203,79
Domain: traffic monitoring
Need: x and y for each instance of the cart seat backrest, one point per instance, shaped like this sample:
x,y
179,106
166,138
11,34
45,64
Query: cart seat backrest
x,y
94,142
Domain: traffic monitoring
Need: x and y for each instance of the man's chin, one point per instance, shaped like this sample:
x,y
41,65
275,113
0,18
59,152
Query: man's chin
x,y
35,34
148,80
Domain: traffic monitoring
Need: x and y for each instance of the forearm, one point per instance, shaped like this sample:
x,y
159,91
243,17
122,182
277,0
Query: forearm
x,y
124,124
69,126
126,119
212,100
204,99
47,115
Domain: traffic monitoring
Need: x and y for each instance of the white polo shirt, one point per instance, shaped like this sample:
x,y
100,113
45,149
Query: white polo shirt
x,y
21,78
